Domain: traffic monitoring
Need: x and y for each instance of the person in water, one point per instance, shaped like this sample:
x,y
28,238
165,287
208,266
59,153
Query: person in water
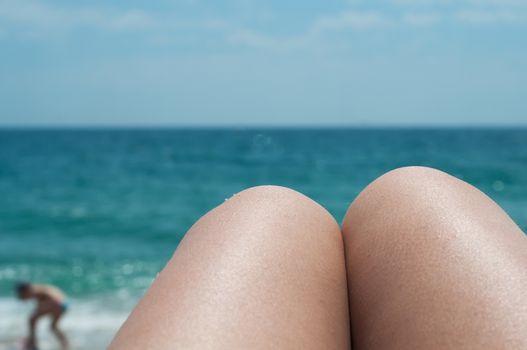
x,y
51,301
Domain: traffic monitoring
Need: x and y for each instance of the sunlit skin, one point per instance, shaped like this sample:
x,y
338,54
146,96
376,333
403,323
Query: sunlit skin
x,y
433,263
426,261
50,302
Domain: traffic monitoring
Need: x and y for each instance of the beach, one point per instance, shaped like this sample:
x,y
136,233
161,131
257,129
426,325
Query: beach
x,y
99,212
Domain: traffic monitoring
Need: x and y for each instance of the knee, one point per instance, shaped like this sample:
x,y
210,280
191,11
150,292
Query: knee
x,y
272,192
275,202
265,192
411,180
273,209
405,192
273,197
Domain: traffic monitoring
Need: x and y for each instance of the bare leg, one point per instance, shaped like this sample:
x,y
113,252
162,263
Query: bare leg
x,y
433,263
265,270
61,337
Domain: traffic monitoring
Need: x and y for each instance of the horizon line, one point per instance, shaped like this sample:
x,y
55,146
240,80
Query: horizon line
x,y
257,126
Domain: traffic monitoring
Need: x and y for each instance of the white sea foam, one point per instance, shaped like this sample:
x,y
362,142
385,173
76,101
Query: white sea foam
x,y
89,324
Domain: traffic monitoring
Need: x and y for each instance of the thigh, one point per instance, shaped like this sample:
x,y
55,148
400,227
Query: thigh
x,y
433,263
264,270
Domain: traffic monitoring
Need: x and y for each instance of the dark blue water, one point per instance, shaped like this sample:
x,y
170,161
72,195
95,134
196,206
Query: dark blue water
x,y
99,212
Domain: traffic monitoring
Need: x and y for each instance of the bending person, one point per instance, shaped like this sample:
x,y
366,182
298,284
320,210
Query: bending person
x,y
50,302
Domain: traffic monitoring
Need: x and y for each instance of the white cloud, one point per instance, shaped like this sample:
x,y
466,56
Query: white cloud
x,y
487,17
331,25
408,3
132,19
465,11
27,12
322,26
421,18
38,19
246,37
459,2
348,20
37,15
499,2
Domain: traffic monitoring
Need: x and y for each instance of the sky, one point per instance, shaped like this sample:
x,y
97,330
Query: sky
x,y
263,63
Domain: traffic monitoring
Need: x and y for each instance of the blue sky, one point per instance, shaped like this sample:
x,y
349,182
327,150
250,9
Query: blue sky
x,y
245,62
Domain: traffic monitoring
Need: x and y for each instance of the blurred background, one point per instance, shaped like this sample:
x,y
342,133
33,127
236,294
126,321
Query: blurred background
x,y
122,123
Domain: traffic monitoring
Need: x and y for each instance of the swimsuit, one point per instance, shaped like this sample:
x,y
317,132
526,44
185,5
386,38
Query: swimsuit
x,y
64,306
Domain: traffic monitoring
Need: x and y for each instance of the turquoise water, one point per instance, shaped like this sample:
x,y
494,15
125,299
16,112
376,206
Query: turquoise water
x,y
99,212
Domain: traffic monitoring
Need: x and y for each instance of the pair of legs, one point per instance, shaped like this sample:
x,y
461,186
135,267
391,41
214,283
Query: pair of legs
x,y
61,337
64,345
56,314
423,261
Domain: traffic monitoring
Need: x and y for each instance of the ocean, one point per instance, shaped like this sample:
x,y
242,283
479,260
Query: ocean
x,y
99,212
